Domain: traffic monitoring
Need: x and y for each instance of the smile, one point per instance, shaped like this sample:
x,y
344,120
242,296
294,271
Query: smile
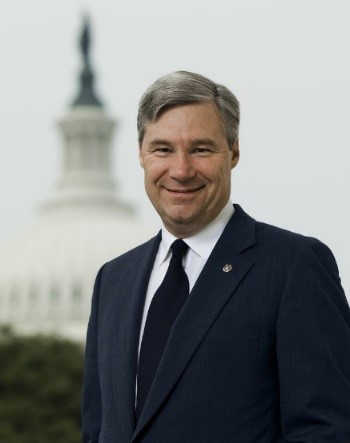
x,y
185,191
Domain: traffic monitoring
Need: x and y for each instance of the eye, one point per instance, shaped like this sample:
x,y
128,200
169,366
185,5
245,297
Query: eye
x,y
162,150
202,150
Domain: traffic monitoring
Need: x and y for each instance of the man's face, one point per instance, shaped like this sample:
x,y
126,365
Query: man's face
x,y
187,164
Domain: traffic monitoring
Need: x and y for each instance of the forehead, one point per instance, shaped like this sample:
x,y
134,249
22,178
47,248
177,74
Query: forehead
x,y
187,121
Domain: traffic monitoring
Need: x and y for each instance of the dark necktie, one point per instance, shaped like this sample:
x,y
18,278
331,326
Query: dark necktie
x,y
164,308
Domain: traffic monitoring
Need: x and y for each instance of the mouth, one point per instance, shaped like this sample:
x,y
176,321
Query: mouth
x,y
186,192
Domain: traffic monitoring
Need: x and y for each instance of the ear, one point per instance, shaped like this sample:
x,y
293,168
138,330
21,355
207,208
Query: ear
x,y
235,154
141,157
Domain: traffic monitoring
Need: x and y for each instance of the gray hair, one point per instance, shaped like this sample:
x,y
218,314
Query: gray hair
x,y
184,88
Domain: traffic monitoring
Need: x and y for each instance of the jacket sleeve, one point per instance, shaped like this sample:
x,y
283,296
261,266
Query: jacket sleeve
x,y
91,401
313,350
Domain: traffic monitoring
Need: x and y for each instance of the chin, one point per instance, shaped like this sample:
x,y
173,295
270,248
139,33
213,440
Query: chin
x,y
181,217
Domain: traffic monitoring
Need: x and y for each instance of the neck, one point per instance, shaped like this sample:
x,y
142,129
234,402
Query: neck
x,y
186,229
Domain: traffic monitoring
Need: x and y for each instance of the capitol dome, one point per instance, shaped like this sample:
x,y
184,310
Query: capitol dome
x,y
47,270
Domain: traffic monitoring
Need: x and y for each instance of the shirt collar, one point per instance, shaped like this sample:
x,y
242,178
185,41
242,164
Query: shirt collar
x,y
204,241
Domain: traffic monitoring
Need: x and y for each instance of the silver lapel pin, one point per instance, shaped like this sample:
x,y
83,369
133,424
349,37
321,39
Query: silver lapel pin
x,y
227,268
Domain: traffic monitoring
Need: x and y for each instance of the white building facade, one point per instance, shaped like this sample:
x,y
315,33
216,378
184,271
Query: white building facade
x,y
47,271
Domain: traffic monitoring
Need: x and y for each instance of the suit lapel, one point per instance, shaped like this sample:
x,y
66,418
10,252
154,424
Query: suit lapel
x,y
211,292
127,328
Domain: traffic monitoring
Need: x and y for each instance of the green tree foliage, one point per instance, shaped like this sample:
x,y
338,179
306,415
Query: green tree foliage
x,y
40,389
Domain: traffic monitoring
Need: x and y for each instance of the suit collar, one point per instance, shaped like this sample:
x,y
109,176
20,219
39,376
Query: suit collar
x,y
211,292
203,242
240,231
126,328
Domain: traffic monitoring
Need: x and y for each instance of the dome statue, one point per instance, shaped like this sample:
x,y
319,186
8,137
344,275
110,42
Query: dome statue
x,y
47,271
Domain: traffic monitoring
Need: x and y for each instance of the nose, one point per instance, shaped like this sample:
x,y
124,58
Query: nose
x,y
182,167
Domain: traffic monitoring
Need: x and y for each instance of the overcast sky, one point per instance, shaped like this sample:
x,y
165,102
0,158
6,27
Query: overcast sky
x,y
287,61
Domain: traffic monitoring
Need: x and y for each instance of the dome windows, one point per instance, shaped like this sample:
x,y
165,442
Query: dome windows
x,y
54,295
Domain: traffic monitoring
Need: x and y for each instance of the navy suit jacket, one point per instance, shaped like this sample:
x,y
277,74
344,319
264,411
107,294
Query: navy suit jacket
x,y
259,354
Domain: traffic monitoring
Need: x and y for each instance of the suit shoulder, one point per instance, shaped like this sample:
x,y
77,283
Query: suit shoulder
x,y
286,249
133,254
280,239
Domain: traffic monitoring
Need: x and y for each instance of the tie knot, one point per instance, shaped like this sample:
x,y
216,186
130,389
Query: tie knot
x,y
179,248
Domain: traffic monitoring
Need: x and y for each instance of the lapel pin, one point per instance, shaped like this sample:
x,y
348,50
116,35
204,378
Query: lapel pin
x,y
227,268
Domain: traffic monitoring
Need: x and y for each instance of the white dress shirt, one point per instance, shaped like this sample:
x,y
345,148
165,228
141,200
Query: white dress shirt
x,y
200,247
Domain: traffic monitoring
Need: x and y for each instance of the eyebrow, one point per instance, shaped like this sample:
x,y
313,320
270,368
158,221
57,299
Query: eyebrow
x,y
160,141
203,141
195,142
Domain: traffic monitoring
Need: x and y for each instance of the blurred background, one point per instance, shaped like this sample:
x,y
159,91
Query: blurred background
x,y
71,189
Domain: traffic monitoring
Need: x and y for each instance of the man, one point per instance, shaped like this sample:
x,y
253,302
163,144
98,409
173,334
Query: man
x,y
221,328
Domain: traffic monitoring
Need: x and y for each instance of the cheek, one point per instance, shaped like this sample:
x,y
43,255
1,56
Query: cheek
x,y
217,174
154,171
225,172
